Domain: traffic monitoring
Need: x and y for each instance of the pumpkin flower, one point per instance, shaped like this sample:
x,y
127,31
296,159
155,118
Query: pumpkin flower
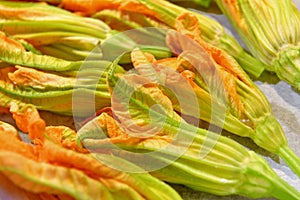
x,y
49,30
227,96
145,129
165,13
49,168
270,29
211,30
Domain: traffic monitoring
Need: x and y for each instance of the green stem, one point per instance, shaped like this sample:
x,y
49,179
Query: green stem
x,y
287,66
204,3
292,160
290,192
250,64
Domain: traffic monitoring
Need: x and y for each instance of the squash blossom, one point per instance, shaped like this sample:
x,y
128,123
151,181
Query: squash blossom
x,y
48,82
227,97
53,31
53,166
148,132
270,29
212,31
164,12
43,57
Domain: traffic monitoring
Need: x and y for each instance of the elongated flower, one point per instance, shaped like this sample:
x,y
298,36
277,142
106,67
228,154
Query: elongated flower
x,y
166,13
227,96
147,131
212,31
52,92
52,30
52,84
49,168
270,29
57,32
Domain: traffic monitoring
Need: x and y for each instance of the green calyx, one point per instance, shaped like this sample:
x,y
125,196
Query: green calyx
x,y
287,65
